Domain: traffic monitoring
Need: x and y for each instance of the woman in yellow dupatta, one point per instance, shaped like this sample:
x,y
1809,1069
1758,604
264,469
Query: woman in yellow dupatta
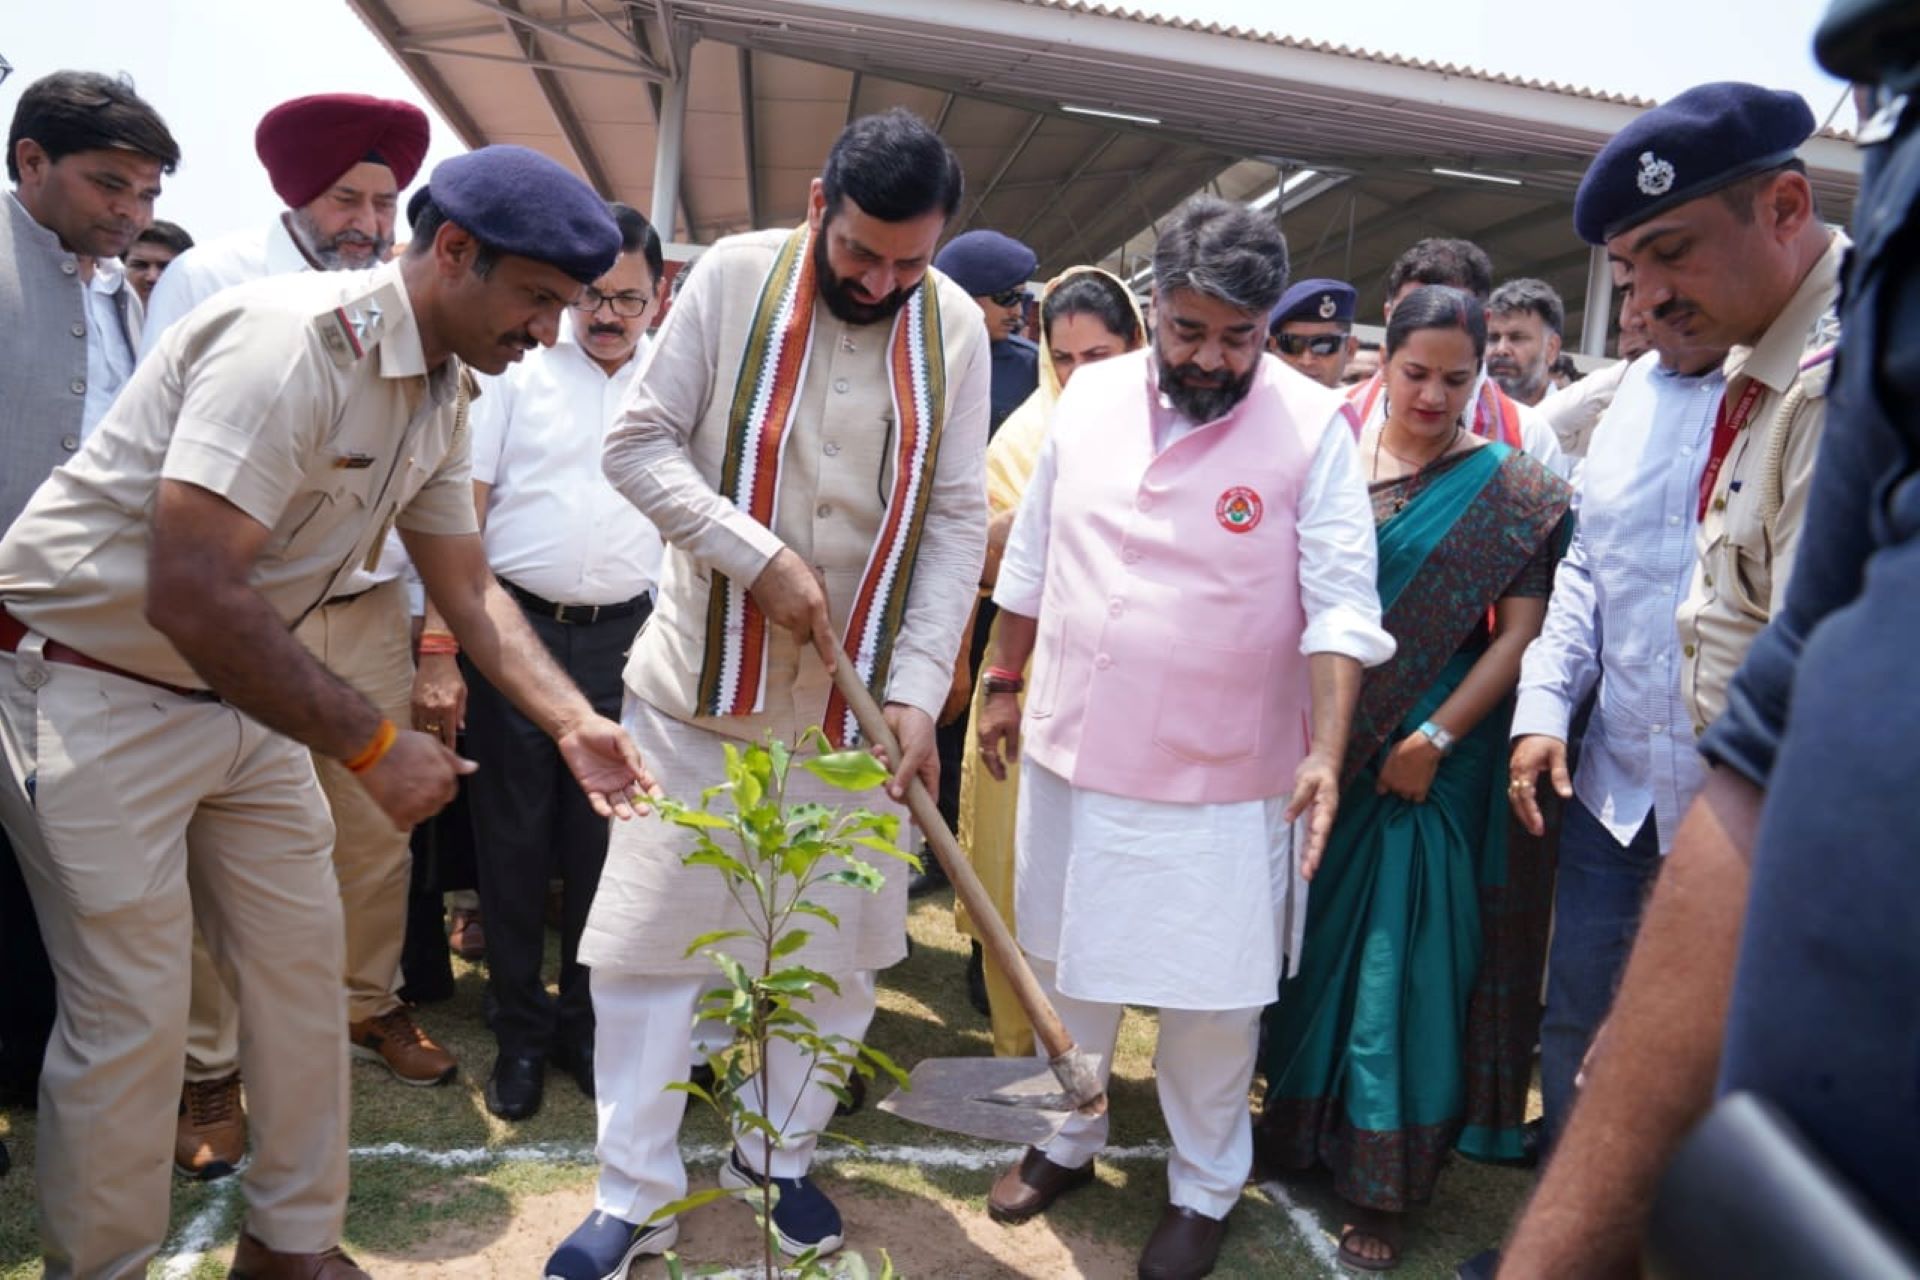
x,y
1086,315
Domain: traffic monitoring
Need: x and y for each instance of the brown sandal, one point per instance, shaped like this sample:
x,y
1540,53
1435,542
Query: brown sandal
x,y
1372,1225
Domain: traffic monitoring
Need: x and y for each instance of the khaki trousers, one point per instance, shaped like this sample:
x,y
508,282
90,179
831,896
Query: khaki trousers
x,y
366,641
134,812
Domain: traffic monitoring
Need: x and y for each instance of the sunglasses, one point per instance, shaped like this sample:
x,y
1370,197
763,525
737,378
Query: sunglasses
x,y
1321,344
1009,298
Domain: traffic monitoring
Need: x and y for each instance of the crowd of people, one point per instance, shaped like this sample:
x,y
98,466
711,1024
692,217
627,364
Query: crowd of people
x,y
1391,720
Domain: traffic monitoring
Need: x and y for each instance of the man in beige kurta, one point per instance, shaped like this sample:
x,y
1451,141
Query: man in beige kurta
x,y
666,455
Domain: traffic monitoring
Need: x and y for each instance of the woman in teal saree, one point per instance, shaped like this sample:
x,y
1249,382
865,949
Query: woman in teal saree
x,y
1367,1058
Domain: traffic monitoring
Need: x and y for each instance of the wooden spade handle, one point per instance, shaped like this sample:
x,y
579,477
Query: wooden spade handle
x,y
995,936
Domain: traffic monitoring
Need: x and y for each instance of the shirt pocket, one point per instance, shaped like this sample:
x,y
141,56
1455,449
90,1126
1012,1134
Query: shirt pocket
x,y
1746,563
1213,702
330,499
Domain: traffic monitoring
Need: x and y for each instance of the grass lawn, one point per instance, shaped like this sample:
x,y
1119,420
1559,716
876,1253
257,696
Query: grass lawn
x,y
464,1194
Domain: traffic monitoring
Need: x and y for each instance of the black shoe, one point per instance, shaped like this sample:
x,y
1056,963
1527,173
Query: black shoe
x,y
977,982
931,878
515,1087
575,1057
856,1091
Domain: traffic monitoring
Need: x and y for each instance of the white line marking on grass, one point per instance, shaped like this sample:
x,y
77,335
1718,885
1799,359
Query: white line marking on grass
x,y
201,1232
1307,1227
561,1153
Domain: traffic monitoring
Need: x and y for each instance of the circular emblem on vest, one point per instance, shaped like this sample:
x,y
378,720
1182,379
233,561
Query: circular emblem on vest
x,y
1239,510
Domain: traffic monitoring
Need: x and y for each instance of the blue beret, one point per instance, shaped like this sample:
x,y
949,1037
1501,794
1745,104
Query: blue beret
x,y
1709,137
985,262
1314,300
517,201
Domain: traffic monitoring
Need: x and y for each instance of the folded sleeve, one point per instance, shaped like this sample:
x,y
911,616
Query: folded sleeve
x,y
1339,555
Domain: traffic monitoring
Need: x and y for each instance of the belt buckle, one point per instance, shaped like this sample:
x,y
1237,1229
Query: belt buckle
x,y
560,613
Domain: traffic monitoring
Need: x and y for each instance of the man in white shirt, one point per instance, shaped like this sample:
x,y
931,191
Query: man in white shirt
x,y
339,161
583,563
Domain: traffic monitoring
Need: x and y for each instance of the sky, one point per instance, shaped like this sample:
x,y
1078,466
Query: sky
x,y
214,67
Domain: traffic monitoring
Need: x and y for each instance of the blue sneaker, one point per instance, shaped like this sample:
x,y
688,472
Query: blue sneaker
x,y
803,1217
603,1247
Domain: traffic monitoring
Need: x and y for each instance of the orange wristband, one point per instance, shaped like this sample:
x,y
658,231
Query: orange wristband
x,y
375,751
438,642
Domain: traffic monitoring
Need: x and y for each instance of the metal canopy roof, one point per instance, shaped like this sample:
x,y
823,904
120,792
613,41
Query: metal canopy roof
x,y
1354,136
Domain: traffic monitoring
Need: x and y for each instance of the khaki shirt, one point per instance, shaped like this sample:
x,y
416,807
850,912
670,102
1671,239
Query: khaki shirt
x,y
1752,525
665,454
305,401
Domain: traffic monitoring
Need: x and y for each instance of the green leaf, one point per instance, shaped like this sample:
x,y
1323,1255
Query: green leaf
x,y
706,940
886,1064
689,1087
799,980
790,941
725,863
780,757
688,1204
815,909
859,875
888,847
848,770
700,818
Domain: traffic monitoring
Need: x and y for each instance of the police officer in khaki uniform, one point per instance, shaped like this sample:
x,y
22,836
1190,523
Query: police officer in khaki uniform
x,y
156,709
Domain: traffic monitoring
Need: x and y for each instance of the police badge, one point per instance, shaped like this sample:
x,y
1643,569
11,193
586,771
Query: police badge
x,y
1328,307
1656,175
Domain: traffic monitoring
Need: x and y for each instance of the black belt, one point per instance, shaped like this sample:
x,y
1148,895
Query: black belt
x,y
576,614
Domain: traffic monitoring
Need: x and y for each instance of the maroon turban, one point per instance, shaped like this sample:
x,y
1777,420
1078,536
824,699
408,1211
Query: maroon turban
x,y
308,143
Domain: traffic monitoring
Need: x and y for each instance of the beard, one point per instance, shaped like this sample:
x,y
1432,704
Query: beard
x,y
330,251
1525,385
838,296
1200,395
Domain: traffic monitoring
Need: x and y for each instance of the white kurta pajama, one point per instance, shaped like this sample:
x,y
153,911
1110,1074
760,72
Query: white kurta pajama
x,y
666,455
1187,908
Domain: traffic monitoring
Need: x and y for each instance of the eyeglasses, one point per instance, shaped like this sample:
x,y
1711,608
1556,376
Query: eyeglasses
x,y
1015,297
628,306
1321,344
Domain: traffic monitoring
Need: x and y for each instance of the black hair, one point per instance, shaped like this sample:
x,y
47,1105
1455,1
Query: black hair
x,y
170,234
1095,294
638,236
1564,367
1460,264
895,167
1224,250
72,111
1528,294
1437,306
428,218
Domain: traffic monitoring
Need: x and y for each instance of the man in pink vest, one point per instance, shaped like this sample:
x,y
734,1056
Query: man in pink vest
x,y
1193,576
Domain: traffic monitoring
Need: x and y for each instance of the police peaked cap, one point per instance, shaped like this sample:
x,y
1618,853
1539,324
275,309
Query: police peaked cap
x,y
1709,137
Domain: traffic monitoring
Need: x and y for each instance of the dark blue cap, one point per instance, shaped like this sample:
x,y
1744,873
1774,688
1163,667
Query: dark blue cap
x,y
1313,300
985,262
517,201
1709,137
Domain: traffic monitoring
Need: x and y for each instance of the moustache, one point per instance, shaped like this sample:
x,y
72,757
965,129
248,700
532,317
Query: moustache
x,y
523,339
1194,376
607,330
1503,366
1673,309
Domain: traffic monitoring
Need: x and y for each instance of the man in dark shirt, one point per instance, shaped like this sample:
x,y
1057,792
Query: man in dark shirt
x,y
995,269
1788,918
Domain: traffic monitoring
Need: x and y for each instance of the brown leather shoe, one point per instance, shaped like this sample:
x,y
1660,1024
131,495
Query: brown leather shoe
x,y
1032,1186
210,1137
1184,1246
396,1042
467,937
254,1261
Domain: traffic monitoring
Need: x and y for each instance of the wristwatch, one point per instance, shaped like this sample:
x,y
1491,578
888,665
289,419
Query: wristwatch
x,y
1441,739
1001,684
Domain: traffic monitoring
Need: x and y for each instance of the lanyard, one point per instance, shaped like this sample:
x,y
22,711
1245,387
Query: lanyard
x,y
1725,427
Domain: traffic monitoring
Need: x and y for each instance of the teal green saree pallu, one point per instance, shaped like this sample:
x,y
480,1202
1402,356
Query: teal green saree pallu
x,y
1367,1061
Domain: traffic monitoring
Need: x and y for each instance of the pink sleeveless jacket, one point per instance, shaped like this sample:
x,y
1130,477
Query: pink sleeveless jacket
x,y
1168,662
